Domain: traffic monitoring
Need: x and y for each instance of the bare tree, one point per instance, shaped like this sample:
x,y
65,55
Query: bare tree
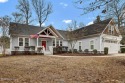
x,y
42,10
116,9
71,35
17,17
4,25
111,8
81,24
88,6
24,8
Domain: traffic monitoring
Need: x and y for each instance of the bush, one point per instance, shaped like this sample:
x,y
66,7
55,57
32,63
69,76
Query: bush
x,y
95,51
122,50
86,50
75,50
80,50
106,50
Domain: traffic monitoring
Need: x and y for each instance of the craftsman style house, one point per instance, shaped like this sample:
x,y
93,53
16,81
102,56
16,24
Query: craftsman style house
x,y
96,36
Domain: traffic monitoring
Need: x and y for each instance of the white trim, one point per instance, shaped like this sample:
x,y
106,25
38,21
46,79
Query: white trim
x,y
53,32
49,29
42,31
23,41
46,36
106,27
80,45
58,32
37,42
93,44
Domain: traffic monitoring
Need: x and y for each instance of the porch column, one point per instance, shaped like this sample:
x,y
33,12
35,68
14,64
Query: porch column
x,y
55,42
37,41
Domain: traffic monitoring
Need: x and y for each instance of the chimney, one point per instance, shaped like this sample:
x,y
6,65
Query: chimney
x,y
97,19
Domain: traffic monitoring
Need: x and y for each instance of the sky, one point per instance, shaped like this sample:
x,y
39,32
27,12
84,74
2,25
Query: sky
x,y
63,13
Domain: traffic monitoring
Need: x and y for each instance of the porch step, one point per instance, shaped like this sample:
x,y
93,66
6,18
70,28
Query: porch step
x,y
47,53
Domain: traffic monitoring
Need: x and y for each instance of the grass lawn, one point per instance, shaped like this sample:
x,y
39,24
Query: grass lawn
x,y
46,69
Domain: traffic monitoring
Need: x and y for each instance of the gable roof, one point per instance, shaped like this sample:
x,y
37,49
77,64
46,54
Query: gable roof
x,y
23,29
93,29
88,31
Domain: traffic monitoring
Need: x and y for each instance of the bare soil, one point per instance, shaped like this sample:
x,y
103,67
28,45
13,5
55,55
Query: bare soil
x,y
46,69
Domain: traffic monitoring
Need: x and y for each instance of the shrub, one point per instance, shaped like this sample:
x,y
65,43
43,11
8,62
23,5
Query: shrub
x,y
80,50
106,50
75,50
86,51
95,51
122,50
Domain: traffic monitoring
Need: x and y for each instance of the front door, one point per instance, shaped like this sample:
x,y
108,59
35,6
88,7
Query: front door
x,y
44,44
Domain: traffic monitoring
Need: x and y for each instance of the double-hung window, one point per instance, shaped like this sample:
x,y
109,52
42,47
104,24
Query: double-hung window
x,y
20,41
92,45
80,46
26,41
23,41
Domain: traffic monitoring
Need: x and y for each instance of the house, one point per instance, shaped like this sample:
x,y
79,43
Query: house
x,y
42,39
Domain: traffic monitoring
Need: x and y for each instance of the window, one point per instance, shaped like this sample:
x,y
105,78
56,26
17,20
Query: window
x,y
80,46
60,43
92,45
20,41
57,43
53,42
26,41
23,41
111,30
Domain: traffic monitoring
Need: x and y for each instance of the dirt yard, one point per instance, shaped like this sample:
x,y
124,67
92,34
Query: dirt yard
x,y
47,69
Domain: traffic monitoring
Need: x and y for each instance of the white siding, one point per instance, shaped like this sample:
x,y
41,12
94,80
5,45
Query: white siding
x,y
86,43
113,47
14,42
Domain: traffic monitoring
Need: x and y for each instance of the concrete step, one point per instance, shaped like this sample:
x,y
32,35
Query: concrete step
x,y
47,53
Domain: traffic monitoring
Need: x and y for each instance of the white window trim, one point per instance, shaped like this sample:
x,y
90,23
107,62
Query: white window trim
x,y
93,44
81,44
23,41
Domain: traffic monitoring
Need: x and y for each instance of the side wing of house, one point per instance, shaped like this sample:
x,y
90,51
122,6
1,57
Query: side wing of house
x,y
111,38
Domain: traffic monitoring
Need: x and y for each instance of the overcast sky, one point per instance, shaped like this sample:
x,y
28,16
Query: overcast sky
x,y
63,13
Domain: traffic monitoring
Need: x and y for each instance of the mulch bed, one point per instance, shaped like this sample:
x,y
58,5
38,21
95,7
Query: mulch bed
x,y
81,54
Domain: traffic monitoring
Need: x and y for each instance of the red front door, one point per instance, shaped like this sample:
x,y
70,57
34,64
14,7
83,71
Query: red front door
x,y
44,44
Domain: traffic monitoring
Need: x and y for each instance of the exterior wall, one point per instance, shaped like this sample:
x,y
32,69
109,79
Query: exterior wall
x,y
114,47
65,43
85,44
33,42
14,42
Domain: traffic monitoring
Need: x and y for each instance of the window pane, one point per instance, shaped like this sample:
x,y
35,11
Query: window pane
x,y
53,42
60,43
79,43
80,48
20,41
92,46
91,42
26,41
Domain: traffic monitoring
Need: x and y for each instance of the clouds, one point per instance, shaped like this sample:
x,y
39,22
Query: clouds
x,y
89,23
67,21
63,4
3,1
